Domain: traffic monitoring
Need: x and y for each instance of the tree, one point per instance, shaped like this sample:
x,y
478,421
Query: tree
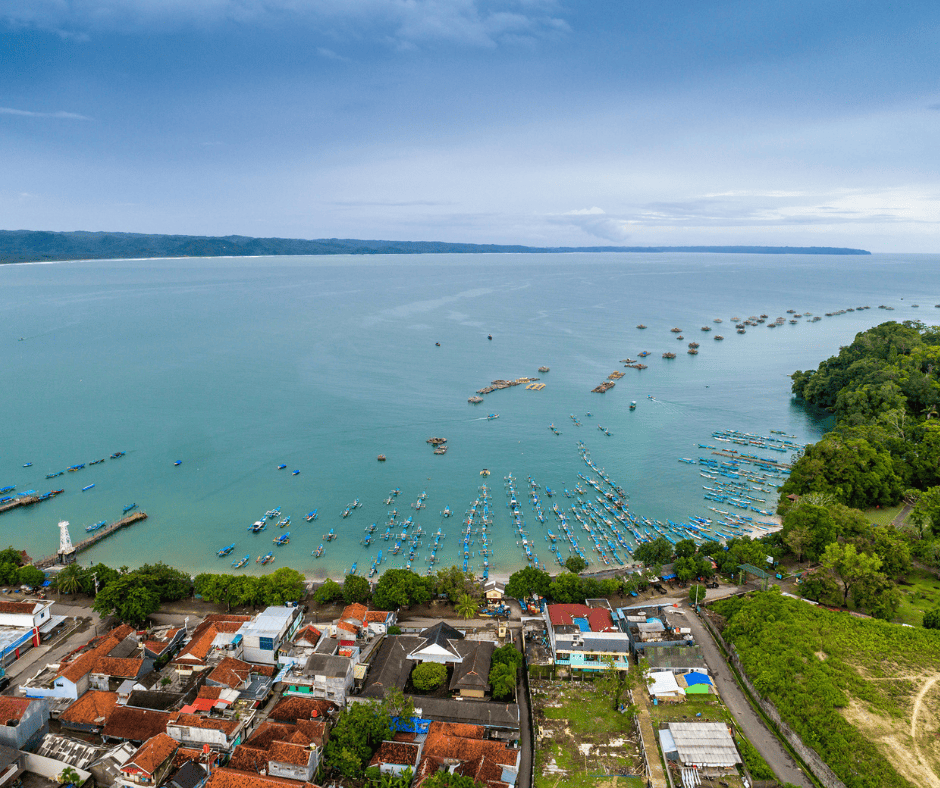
x,y
329,592
686,568
878,595
447,779
507,654
932,618
502,680
810,527
30,576
129,597
466,606
566,588
575,564
528,582
69,579
849,566
11,555
355,589
428,676
890,547
454,583
608,684
685,548
170,584
355,737
926,512
820,586
102,574
697,594
659,551
68,776
281,586
401,588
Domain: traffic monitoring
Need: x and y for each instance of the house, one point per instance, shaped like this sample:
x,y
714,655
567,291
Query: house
x,y
150,764
280,749
12,765
700,745
163,641
128,723
23,721
264,635
293,708
211,699
470,678
585,638
327,676
394,757
377,622
234,778
463,749
118,652
253,682
677,659
438,644
21,625
654,625
71,752
494,591
221,734
189,775
216,633
90,713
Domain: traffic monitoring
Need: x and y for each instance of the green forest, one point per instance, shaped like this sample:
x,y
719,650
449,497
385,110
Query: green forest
x,y
884,393
817,666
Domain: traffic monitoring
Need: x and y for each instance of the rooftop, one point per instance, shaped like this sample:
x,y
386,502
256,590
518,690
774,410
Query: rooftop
x,y
152,753
134,724
292,708
233,778
92,708
13,708
398,753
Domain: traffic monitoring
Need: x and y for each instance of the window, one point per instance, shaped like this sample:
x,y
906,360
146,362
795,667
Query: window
x,y
563,655
266,644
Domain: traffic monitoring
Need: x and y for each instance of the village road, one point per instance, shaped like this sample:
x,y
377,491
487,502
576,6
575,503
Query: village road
x,y
767,744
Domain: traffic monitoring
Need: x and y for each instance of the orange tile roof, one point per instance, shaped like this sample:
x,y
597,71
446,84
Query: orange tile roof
x,y
210,693
479,758
292,708
347,627
18,608
234,672
269,732
126,722
92,708
376,615
395,752
12,708
249,759
119,667
152,754
354,612
309,633
184,755
288,752
82,665
198,647
234,778
228,727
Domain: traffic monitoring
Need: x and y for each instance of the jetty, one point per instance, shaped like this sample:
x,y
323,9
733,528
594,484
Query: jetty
x,y
68,552
26,500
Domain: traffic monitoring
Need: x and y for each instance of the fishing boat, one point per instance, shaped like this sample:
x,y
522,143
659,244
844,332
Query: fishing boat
x,y
318,552
282,539
352,569
311,516
88,487
295,473
492,416
178,462
27,464
53,475
633,405
225,550
96,526
257,526
241,562
128,508
266,559
447,512
73,468
273,513
281,467
118,454
331,535
93,462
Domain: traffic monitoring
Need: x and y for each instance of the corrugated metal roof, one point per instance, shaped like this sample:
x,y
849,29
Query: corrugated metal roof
x,y
704,743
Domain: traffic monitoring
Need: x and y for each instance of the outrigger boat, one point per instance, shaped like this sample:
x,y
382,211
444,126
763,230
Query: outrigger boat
x,y
225,550
311,516
257,526
295,473
118,454
281,467
282,539
331,535
266,559
318,552
88,487
96,526
53,475
128,508
492,416
241,562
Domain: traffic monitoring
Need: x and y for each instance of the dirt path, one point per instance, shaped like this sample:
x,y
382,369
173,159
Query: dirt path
x,y
918,700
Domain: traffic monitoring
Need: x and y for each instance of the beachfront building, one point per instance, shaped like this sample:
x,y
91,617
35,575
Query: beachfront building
x,y
494,591
263,636
586,638
654,626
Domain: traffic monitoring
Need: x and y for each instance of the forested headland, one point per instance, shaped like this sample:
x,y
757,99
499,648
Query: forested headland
x,y
884,391
23,246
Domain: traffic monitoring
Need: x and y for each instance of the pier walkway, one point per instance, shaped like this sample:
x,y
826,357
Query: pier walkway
x,y
26,500
89,541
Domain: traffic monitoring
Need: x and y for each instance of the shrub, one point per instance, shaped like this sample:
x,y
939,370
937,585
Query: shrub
x,y
428,676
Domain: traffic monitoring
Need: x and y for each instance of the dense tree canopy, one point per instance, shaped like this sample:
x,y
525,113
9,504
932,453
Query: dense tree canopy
x,y
527,582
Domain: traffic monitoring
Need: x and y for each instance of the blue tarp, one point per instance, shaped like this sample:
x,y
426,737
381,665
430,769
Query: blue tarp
x,y
696,678
583,624
46,583
669,577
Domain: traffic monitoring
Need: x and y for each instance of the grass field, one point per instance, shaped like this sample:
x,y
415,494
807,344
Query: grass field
x,y
581,742
921,592
884,515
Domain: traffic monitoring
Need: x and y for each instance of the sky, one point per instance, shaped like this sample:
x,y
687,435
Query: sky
x,y
539,122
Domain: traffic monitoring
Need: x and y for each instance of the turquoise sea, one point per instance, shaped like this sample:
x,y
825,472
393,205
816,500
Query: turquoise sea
x,y
235,366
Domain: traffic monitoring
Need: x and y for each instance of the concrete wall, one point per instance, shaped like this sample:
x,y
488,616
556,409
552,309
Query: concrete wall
x,y
49,767
810,757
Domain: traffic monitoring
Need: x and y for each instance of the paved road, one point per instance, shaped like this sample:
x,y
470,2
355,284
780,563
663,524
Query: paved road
x,y
767,744
525,727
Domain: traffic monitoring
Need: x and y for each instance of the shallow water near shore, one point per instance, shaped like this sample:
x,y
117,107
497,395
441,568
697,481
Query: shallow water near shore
x,y
235,366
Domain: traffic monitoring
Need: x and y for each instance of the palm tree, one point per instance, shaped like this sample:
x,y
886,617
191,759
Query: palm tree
x,y
69,580
466,606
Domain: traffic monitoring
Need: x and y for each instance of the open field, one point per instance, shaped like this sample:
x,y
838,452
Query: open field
x,y
885,515
920,592
581,742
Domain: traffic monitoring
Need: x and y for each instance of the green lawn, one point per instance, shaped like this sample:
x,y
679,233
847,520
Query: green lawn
x,y
884,515
705,705
922,593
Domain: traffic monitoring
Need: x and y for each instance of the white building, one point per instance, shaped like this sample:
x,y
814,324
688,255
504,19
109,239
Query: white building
x,y
263,636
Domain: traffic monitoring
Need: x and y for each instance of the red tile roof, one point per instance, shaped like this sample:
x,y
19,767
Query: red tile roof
x,y
84,663
198,647
249,759
288,752
379,616
396,752
12,708
18,608
347,627
134,724
479,758
152,753
92,708
600,620
211,693
228,727
562,614
234,673
119,667
184,755
309,633
234,778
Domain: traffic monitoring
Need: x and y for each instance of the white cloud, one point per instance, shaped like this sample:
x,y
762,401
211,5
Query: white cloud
x,y
595,211
23,113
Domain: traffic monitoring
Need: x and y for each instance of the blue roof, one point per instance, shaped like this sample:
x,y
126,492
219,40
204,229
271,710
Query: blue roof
x,y
696,678
670,577
583,624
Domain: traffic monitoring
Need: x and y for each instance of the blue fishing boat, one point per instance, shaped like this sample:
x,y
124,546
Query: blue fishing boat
x,y
295,473
352,569
282,539
128,508
88,487
266,559
96,526
27,465
311,516
73,468
118,454
225,550
318,552
257,526
488,418
281,467
178,462
11,488
53,475
331,535
633,405
241,562
285,522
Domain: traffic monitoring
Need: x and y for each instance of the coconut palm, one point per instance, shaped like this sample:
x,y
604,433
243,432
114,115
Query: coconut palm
x,y
69,580
466,606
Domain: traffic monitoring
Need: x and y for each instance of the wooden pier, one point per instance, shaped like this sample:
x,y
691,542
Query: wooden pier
x,y
25,501
90,541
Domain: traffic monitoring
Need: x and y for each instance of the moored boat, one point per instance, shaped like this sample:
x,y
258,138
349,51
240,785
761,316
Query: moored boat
x,y
88,487
241,562
226,550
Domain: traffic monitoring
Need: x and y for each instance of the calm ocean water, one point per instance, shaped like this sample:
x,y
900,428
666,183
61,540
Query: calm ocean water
x,y
237,365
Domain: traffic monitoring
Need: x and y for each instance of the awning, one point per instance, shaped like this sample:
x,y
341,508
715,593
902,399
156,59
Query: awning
x,y
52,623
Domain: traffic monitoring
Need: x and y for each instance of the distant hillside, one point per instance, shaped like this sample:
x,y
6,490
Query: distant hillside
x,y
22,246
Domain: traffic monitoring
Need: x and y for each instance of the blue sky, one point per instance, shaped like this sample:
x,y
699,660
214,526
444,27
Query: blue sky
x,y
542,122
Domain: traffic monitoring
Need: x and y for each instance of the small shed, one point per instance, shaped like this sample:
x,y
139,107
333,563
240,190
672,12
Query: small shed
x,y
702,744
